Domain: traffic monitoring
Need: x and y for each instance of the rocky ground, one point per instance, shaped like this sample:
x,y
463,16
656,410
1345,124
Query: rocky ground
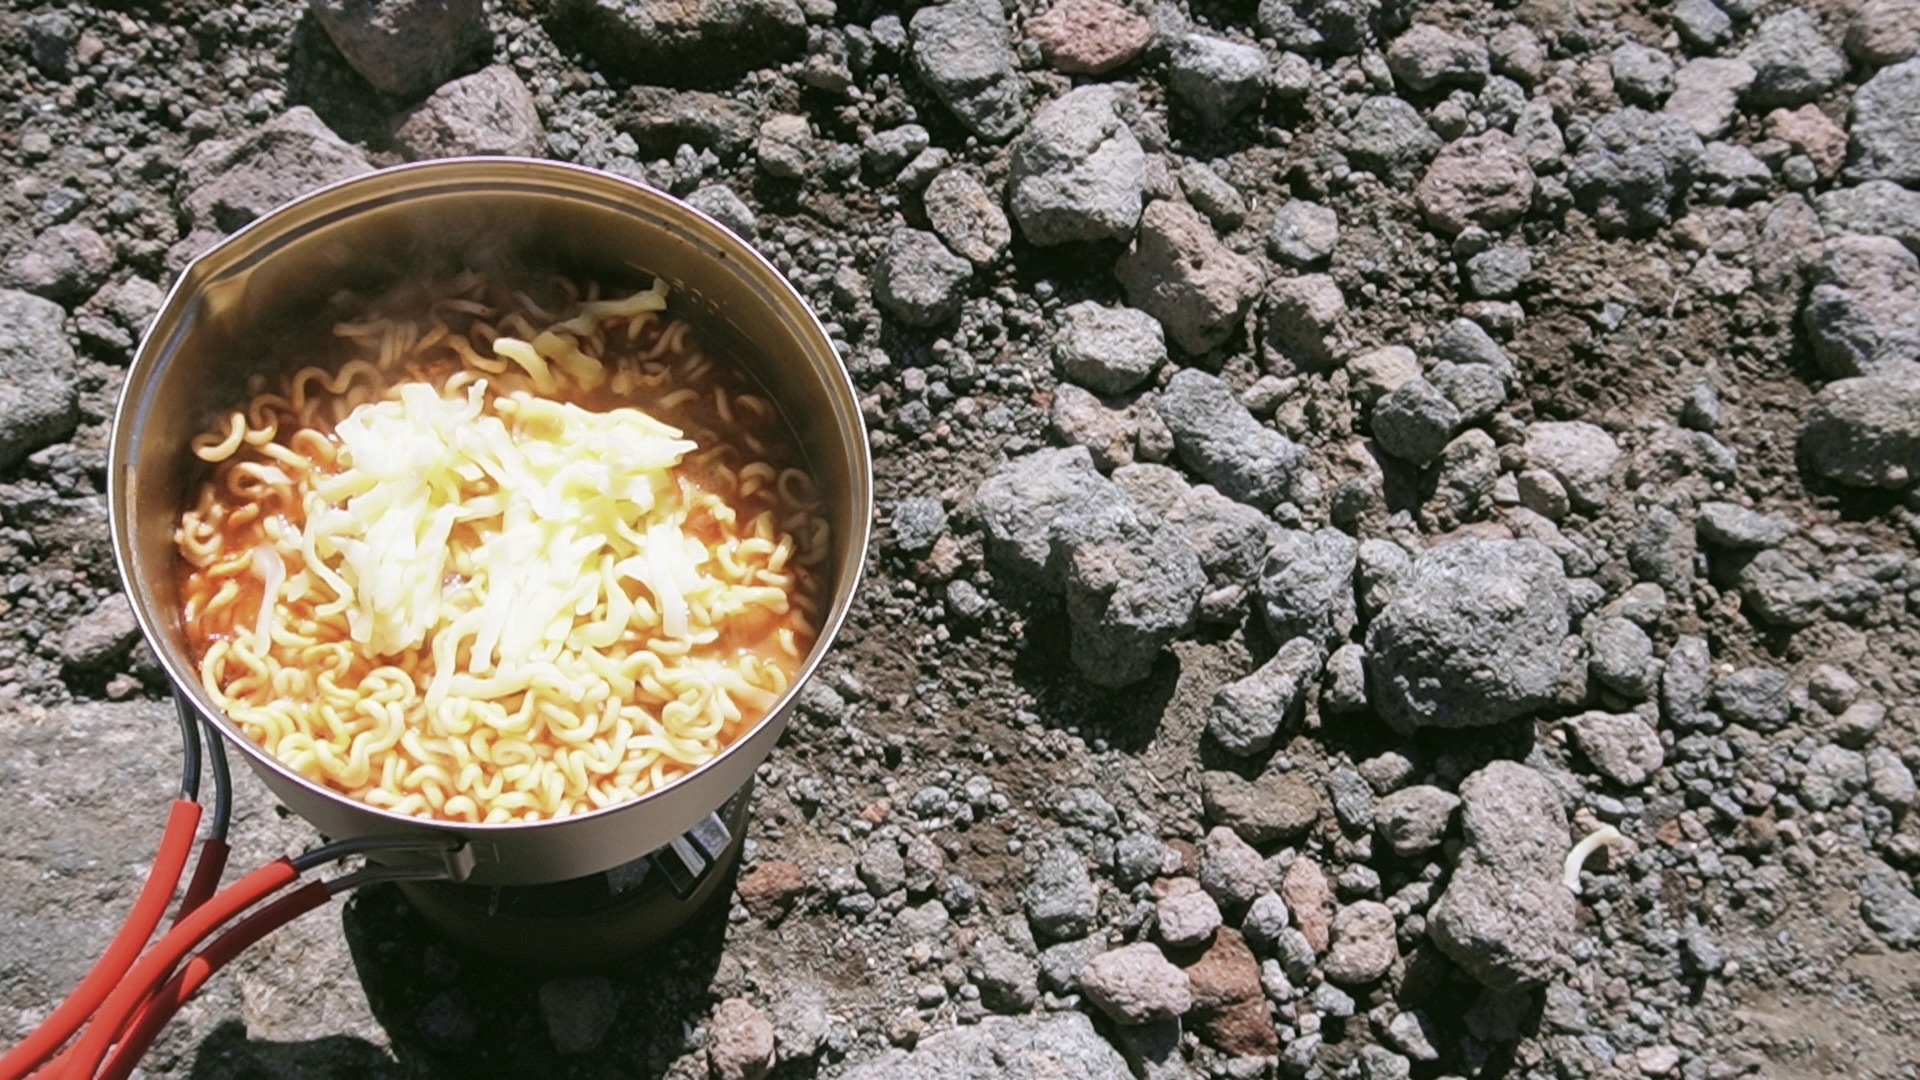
x,y
1333,458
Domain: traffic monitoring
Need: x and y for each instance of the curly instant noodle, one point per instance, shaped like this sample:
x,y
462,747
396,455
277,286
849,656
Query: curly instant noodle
x,y
496,565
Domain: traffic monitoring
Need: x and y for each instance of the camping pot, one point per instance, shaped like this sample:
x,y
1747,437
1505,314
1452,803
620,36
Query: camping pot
x,y
237,307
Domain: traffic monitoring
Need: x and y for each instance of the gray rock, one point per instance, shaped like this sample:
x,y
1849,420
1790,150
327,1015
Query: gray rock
x,y
1415,421
1077,172
1643,76
1863,314
1265,922
1471,636
885,152
1539,135
1306,586
1499,272
1378,372
39,399
785,146
1873,208
1686,683
1345,689
1216,78
721,204
1731,526
1061,964
1482,180
65,263
1231,871
1132,586
1887,904
1363,945
1425,56
1060,1046
1792,61
1109,350
1007,977
1352,797
1303,232
1414,820
1389,136
1135,984
1516,52
1886,126
1464,341
1023,500
1780,593
1505,918
1834,775
1211,194
963,52
1276,806
1889,780
1755,697
1865,432
1413,1034
1706,94
1620,657
488,112
1701,23
1728,174
1231,540
1464,476
578,1010
229,183
1218,438
1304,321
1580,455
918,280
1330,1001
679,44
1248,713
1631,167
1187,919
1884,31
1622,747
403,47
1341,27
1476,390
100,637
1059,898
1832,688
1179,272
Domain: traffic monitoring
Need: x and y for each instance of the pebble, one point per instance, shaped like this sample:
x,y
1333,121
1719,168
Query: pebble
x,y
770,889
1247,714
962,51
1219,439
1265,921
403,47
1632,166
1275,806
1754,697
1187,919
1865,432
1231,871
1624,748
1077,171
1178,271
1216,78
1414,820
1643,76
918,280
1886,126
1505,918
1212,195
1304,319
38,366
1303,232
1863,314
1792,61
488,112
1136,984
740,1042
1059,898
1414,421
1363,945
1499,272
785,147
1620,658
1090,37
720,203
1426,56
1390,136
1471,636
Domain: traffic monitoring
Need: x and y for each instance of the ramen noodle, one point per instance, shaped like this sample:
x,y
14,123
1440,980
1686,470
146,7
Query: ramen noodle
x,y
489,563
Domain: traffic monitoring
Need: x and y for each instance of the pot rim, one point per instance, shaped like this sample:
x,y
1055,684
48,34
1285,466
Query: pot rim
x,y
297,217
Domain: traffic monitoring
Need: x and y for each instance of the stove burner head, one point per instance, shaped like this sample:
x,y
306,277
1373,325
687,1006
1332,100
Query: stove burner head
x,y
593,920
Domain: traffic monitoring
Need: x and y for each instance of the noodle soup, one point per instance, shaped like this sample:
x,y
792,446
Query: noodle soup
x,y
493,558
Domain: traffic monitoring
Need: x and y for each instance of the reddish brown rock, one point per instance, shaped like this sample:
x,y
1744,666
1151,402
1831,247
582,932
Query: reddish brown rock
x,y
1229,1008
1309,897
1809,131
770,888
1088,37
1482,180
740,1041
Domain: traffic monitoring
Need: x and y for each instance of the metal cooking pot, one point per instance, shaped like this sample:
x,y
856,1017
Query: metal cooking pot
x,y
268,284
